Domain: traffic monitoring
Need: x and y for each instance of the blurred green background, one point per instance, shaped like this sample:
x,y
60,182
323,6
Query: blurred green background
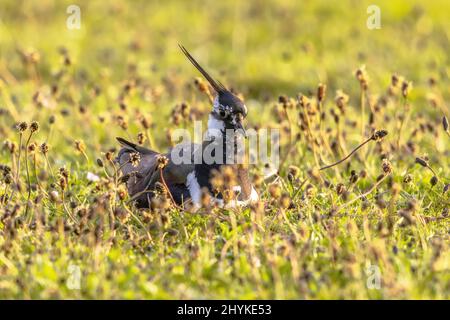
x,y
263,49
261,46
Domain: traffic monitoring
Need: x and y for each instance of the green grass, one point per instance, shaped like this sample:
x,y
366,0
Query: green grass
x,y
317,247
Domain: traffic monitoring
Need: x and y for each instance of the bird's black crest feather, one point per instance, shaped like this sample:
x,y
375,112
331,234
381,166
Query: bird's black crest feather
x,y
219,87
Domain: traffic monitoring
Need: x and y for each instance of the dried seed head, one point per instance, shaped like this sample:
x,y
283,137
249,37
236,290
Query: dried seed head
x,y
422,162
394,80
228,175
216,181
362,77
22,126
121,214
386,166
145,122
109,156
412,206
363,174
80,146
285,201
406,88
82,108
52,119
434,180
446,188
135,158
274,191
64,172
283,99
62,183
293,173
5,169
314,173
32,147
44,148
353,177
378,135
321,91
141,138
163,161
185,110
341,100
201,85
100,162
11,146
303,100
340,188
8,179
257,180
408,218
205,198
34,126
408,178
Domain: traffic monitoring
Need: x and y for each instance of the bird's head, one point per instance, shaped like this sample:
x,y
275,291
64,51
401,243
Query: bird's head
x,y
228,110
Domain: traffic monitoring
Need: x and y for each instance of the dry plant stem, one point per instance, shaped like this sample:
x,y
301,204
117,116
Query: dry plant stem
x,y
291,227
18,160
4,201
140,223
50,167
431,169
403,122
292,144
36,174
363,116
116,180
320,105
311,138
168,190
364,194
299,189
63,199
290,138
286,155
150,139
7,75
341,143
348,156
28,174
445,201
330,152
85,156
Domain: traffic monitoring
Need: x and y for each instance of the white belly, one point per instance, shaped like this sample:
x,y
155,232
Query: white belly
x,y
196,194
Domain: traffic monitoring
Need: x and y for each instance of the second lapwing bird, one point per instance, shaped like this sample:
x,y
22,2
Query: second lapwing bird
x,y
187,181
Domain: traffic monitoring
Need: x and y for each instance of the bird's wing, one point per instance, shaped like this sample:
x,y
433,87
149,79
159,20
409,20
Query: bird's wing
x,y
181,163
140,175
127,145
146,174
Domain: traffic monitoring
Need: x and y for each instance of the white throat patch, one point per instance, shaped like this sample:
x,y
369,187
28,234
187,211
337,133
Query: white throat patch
x,y
215,124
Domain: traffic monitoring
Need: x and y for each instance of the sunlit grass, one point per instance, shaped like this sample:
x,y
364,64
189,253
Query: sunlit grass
x,y
122,74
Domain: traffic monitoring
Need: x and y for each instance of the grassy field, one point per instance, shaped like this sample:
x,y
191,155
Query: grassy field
x,y
374,227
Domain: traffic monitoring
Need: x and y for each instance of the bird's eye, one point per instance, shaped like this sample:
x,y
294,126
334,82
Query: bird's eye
x,y
222,113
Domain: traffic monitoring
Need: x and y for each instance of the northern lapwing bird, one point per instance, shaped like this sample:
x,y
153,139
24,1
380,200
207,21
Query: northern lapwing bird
x,y
187,181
